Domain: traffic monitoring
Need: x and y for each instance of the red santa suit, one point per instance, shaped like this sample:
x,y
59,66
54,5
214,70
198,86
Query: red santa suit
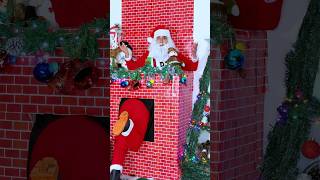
x,y
160,53
132,137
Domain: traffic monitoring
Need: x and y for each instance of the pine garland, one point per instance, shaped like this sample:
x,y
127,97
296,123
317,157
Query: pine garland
x,y
166,72
283,150
220,30
198,170
82,44
37,35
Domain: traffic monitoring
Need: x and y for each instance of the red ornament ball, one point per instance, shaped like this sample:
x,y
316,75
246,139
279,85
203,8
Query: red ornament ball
x,y
207,108
201,124
310,149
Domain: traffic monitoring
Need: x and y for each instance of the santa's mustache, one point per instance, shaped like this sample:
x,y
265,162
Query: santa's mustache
x,y
160,49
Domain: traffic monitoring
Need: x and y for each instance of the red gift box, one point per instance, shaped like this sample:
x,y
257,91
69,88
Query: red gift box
x,y
74,13
257,14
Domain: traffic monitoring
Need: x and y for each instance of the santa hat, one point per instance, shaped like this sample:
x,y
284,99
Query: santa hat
x,y
160,30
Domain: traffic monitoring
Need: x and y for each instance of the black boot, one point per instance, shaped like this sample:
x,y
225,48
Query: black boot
x,y
115,175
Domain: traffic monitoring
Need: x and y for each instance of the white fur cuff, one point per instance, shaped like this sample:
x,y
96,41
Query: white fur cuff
x,y
116,167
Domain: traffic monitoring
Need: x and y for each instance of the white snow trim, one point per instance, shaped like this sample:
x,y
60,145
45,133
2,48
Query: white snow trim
x,y
162,32
127,132
116,167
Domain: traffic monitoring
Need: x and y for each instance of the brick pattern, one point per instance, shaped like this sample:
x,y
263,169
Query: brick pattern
x,y
140,17
237,110
173,105
21,96
159,159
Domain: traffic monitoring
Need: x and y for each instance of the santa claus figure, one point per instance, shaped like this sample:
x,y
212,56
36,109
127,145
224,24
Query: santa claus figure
x,y
129,132
44,9
159,44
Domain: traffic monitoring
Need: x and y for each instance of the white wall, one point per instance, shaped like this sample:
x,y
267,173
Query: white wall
x,y
115,12
201,34
280,42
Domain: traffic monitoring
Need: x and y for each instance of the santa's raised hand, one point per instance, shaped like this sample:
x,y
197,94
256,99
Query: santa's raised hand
x,y
194,51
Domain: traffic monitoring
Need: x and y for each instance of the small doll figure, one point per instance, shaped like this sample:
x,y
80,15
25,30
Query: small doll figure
x,y
173,60
121,55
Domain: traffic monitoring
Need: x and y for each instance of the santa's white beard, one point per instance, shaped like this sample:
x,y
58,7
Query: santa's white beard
x,y
159,53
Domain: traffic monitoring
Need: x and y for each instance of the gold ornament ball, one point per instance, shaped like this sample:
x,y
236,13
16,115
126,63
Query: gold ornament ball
x,y
241,46
204,160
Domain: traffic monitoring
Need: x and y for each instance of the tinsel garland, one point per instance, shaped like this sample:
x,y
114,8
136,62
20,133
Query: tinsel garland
x,y
219,31
37,35
285,140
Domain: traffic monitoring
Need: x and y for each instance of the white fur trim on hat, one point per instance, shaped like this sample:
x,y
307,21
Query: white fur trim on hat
x,y
161,32
116,167
127,132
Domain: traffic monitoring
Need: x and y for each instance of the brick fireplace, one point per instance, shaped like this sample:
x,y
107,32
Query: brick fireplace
x,y
22,97
172,111
236,103
237,110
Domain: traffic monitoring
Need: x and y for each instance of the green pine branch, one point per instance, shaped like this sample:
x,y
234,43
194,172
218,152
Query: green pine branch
x,y
283,150
36,35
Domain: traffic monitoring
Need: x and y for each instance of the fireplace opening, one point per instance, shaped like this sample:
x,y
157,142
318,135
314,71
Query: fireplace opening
x,y
149,103
69,147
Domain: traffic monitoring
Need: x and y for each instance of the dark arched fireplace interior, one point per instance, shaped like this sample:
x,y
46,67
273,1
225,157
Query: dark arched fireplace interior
x,y
79,144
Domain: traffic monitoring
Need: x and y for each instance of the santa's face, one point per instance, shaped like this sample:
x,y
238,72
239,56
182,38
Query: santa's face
x,y
160,53
173,53
162,40
158,49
